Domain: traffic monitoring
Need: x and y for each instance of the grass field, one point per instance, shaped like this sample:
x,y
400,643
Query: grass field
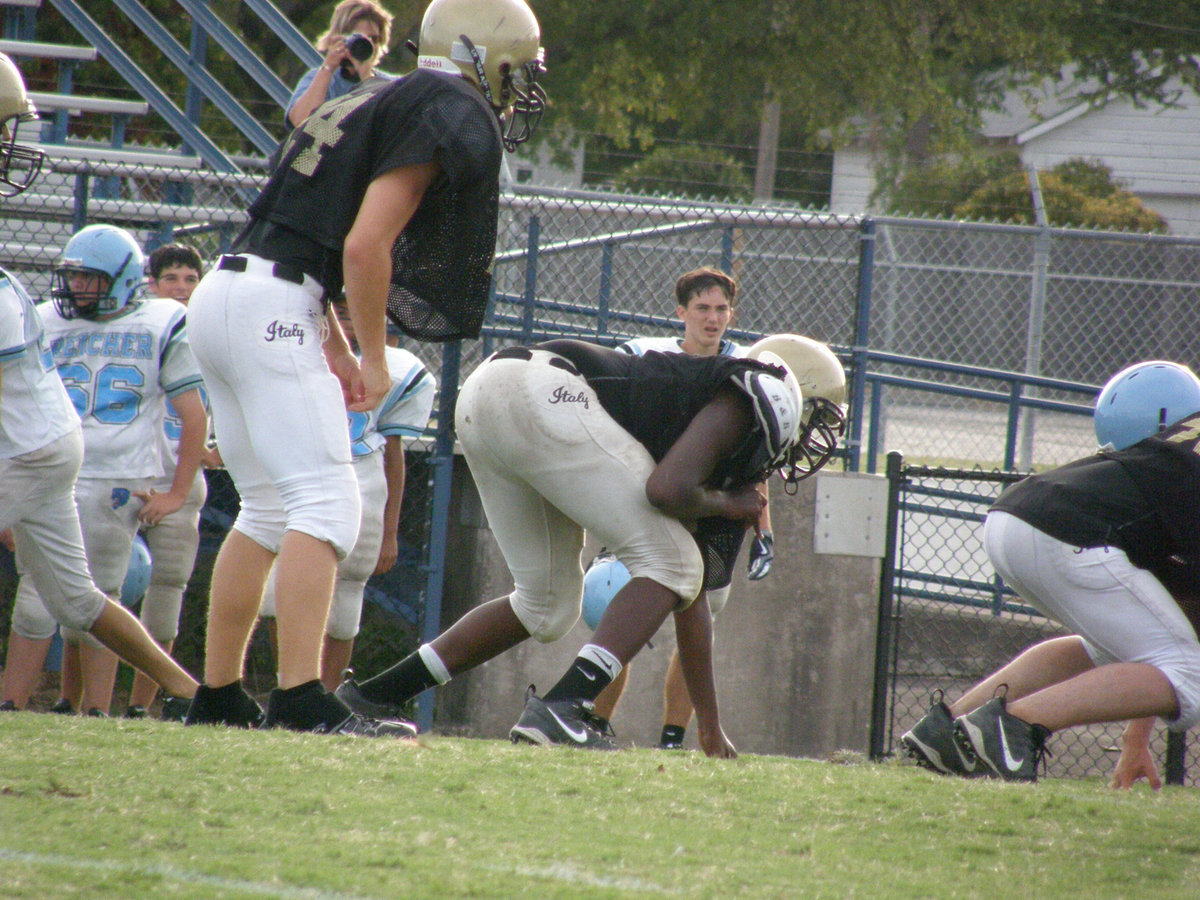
x,y
112,808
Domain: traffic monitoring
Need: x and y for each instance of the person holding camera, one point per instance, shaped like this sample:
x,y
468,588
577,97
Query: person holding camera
x,y
357,39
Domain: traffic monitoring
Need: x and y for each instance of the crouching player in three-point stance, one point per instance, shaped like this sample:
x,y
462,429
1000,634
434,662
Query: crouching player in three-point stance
x,y
390,193
1108,546
661,457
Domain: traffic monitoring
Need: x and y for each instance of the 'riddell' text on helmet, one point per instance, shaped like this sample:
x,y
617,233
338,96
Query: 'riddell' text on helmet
x,y
497,45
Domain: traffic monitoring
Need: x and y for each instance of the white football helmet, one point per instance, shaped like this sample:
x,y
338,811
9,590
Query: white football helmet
x,y
112,264
822,384
19,166
495,44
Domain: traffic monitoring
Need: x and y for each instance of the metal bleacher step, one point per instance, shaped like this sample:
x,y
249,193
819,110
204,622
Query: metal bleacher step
x,y
76,103
99,153
42,50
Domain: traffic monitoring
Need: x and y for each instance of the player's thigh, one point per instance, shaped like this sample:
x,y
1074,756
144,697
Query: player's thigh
x,y
601,486
360,563
261,341
40,477
55,583
31,616
174,541
345,612
108,516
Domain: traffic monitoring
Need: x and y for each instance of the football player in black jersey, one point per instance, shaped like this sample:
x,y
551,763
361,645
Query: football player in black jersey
x,y
661,457
1108,546
389,193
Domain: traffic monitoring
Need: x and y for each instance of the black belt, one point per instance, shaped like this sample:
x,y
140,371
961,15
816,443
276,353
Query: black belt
x,y
283,271
523,353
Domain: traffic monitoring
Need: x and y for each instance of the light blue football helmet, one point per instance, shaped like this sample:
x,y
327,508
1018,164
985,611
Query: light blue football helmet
x,y
105,251
1142,399
604,577
137,576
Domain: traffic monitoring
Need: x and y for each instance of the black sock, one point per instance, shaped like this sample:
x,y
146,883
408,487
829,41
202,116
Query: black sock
x,y
228,704
583,681
672,734
400,683
305,707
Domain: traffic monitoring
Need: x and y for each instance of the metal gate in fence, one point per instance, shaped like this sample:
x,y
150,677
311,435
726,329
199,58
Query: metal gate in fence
x,y
947,620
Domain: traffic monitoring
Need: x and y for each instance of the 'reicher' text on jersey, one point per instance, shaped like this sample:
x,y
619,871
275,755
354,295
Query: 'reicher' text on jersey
x,y
118,374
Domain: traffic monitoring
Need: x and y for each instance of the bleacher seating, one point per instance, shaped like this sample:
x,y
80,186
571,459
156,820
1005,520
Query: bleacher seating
x,y
76,103
40,50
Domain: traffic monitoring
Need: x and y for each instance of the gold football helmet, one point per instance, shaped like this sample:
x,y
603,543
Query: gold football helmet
x,y
495,44
19,166
822,382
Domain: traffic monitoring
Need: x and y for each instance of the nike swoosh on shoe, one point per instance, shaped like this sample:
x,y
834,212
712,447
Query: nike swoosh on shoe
x,y
1010,762
580,736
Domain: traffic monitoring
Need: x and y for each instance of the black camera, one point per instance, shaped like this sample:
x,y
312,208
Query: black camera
x,y
359,46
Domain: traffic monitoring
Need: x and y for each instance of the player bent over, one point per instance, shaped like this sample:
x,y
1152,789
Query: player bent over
x,y
706,302
660,456
41,448
1108,546
390,192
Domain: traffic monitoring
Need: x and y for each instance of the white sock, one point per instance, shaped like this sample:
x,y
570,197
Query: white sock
x,y
433,663
598,656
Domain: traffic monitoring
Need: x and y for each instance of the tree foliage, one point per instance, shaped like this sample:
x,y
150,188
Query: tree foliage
x,y
1076,193
687,171
912,75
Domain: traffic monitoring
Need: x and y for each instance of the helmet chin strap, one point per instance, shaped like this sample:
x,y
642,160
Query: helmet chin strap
x,y
483,80
527,106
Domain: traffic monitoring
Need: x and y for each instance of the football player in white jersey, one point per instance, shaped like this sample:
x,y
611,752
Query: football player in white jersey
x,y
377,445
706,303
173,271
119,358
41,448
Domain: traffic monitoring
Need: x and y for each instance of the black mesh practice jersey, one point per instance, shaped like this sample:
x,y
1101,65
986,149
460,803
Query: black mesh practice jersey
x,y
655,397
1144,499
441,262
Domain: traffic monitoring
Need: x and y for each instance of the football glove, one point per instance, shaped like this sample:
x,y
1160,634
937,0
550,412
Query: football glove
x,y
762,552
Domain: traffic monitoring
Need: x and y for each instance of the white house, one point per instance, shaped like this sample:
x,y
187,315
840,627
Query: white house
x,y
1153,151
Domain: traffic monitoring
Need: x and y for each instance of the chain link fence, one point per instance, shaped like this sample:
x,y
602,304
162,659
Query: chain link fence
x,y
926,315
